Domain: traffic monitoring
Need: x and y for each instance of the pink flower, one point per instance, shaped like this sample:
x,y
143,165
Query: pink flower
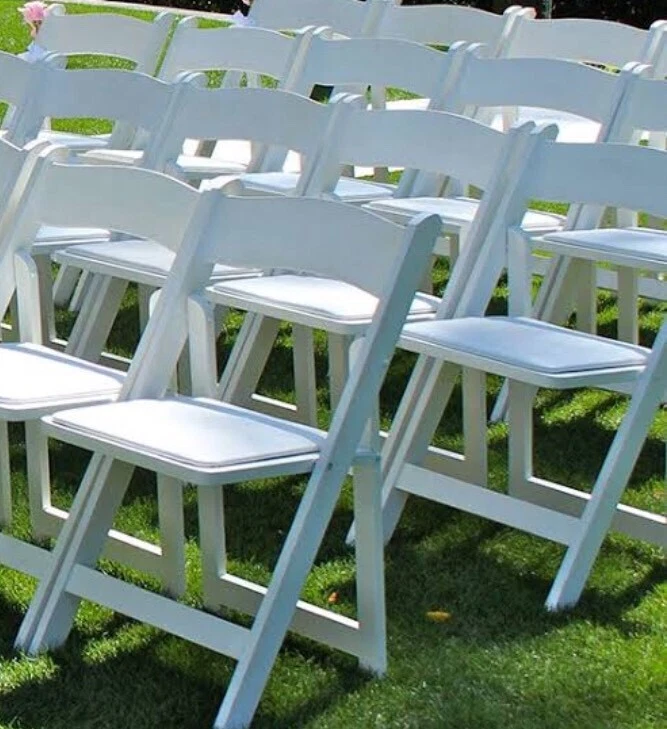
x,y
34,12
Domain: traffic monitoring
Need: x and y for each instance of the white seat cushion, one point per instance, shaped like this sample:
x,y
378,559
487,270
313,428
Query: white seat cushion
x,y
523,343
141,260
74,141
284,183
455,211
54,233
39,378
195,432
644,247
325,299
571,128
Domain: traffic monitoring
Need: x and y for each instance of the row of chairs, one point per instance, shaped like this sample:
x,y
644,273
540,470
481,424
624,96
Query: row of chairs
x,y
198,439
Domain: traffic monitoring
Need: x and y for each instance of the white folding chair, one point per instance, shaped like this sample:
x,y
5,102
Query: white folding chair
x,y
212,444
347,17
643,108
277,119
132,99
38,380
428,140
532,354
124,37
479,83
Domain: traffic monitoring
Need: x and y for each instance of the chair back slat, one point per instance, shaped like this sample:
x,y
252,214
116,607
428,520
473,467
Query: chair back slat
x,y
106,34
347,17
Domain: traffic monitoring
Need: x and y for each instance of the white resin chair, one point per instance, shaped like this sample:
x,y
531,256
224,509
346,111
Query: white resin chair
x,y
643,108
557,86
38,380
273,118
533,354
430,140
212,444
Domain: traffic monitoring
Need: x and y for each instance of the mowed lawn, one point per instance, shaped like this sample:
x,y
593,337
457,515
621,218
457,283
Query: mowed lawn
x,y
490,657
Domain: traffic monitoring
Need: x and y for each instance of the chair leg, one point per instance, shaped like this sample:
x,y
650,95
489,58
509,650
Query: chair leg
x,y
212,542
172,534
5,476
98,312
248,359
305,383
609,486
39,481
50,616
339,368
520,445
81,291
65,284
628,315
369,555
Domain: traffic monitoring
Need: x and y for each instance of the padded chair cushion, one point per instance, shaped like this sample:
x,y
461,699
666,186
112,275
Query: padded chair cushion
x,y
195,432
647,246
457,210
53,233
36,376
147,257
320,297
571,128
74,141
525,343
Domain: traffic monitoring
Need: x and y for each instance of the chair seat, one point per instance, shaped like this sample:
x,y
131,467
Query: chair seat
x,y
51,238
200,439
635,247
326,303
37,380
455,212
527,350
142,261
74,141
571,128
284,183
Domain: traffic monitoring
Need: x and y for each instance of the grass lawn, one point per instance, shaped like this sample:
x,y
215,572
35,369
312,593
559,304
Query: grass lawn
x,y
495,658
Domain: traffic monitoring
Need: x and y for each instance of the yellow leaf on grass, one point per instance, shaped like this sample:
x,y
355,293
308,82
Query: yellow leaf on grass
x,y
438,616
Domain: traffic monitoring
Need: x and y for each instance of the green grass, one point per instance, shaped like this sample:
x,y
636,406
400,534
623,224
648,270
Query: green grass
x,y
499,660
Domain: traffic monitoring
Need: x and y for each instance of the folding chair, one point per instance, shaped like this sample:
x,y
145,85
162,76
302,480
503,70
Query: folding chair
x,y
277,119
37,380
429,140
533,354
643,108
212,444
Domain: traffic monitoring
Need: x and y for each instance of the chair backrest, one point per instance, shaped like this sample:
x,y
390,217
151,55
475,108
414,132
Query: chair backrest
x,y
18,82
277,120
106,34
356,63
424,140
347,17
446,24
137,100
251,50
547,83
595,41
